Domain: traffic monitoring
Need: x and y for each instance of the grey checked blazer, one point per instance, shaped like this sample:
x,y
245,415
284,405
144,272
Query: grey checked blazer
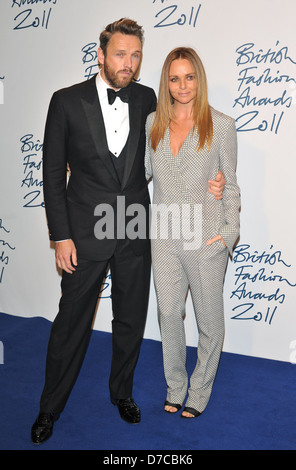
x,y
184,179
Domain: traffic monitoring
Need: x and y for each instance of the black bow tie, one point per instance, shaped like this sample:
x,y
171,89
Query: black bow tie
x,y
123,94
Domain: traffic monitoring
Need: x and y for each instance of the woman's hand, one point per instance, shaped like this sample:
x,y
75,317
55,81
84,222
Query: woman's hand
x,y
215,239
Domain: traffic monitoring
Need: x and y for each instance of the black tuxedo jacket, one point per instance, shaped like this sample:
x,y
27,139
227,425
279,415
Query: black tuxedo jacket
x,y
75,136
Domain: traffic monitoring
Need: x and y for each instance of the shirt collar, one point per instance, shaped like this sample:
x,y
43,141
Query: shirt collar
x,y
101,86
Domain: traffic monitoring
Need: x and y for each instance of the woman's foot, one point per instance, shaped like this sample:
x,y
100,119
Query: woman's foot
x,y
190,413
172,407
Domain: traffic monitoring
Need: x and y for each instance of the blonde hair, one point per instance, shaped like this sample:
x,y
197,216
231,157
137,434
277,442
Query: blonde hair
x,y
202,116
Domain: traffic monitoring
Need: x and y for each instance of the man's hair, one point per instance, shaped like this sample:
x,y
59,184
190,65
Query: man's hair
x,y
124,26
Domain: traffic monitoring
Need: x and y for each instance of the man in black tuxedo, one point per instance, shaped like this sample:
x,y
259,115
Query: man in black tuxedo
x,y
104,146
103,142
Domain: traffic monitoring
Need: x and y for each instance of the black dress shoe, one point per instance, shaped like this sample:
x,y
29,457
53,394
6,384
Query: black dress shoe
x,y
42,428
128,410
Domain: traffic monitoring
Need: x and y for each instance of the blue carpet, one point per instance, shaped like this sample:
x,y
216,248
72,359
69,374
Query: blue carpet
x,y
252,405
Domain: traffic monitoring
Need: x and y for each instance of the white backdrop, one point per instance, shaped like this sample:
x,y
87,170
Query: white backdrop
x,y
249,52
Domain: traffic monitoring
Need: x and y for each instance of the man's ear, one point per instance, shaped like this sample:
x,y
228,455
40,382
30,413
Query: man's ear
x,y
101,57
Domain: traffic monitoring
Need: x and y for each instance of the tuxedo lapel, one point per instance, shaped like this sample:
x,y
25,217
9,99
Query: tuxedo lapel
x,y
92,108
135,127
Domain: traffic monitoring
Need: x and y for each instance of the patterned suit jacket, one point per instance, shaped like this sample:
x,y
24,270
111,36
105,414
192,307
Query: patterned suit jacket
x,y
184,179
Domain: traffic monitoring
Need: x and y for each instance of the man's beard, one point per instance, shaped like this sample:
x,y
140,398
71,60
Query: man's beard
x,y
114,80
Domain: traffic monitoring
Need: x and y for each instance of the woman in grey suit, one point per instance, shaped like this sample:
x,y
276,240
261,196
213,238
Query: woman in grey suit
x,y
192,232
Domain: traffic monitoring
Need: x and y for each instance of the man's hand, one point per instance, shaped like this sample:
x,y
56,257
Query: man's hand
x,y
66,256
217,186
215,239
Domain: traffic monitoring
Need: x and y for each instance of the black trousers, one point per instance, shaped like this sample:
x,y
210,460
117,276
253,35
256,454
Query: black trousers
x,y
71,329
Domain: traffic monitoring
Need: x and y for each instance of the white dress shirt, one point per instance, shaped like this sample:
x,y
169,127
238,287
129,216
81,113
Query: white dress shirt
x,y
116,118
